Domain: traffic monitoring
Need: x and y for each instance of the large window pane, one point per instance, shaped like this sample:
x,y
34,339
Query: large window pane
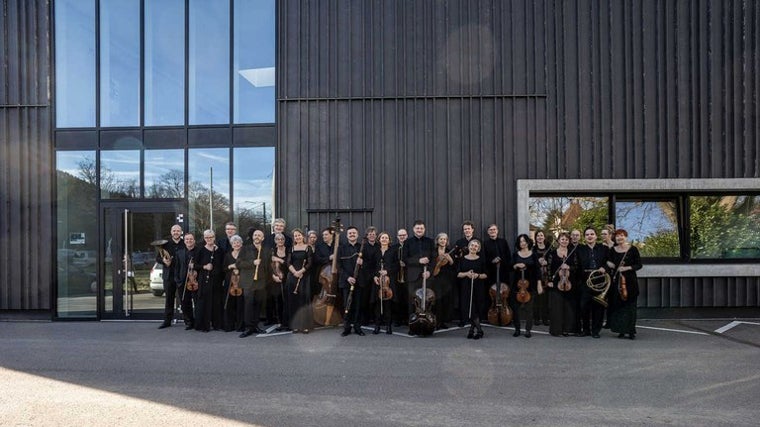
x,y
120,174
77,231
119,62
557,214
75,63
164,62
254,77
725,226
165,174
253,176
651,225
209,78
209,174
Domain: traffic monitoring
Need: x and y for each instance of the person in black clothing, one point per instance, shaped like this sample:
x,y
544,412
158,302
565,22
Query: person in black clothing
x,y
255,265
186,255
366,274
349,256
386,260
209,298
444,279
591,256
497,255
526,267
169,265
401,299
418,251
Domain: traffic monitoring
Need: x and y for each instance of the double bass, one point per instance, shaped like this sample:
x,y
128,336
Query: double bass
x,y
499,313
324,303
422,322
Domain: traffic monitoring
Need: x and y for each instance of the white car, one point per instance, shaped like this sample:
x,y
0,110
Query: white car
x,y
157,279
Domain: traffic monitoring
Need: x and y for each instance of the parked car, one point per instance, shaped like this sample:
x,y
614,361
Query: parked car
x,y
157,279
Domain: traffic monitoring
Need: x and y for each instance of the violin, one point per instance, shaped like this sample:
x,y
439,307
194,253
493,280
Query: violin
x,y
523,296
384,282
564,284
235,289
441,261
191,281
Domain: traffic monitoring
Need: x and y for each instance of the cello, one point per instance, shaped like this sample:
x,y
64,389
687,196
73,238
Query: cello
x,y
422,322
499,313
324,303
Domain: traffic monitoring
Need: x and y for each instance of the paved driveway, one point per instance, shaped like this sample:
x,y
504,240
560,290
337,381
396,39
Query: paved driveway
x,y
119,373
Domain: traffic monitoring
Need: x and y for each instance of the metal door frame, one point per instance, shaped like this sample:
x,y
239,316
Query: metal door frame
x,y
119,207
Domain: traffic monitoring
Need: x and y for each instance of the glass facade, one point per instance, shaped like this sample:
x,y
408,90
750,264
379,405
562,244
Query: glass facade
x,y
164,63
209,187
77,243
164,174
253,187
209,70
254,61
74,63
163,68
119,62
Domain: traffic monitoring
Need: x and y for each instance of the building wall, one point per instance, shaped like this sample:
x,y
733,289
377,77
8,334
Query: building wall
x,y
390,111
26,157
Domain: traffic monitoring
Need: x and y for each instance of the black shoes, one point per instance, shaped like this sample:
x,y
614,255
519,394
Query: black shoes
x,y
166,324
632,336
389,331
358,331
376,330
247,333
478,334
528,334
189,326
346,332
595,335
621,335
517,333
471,333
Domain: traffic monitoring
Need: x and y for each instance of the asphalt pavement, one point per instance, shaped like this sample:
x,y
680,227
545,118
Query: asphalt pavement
x,y
677,372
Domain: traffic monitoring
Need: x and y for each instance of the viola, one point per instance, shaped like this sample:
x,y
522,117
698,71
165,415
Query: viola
x,y
523,296
442,261
384,282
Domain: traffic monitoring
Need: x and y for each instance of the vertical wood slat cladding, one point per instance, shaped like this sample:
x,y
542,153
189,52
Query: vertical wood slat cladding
x,y
25,156
435,109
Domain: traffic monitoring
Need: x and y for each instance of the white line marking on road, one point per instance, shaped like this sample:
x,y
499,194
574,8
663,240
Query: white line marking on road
x,y
673,330
733,324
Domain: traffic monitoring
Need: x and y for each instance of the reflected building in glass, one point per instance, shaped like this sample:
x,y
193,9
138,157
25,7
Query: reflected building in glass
x,y
164,110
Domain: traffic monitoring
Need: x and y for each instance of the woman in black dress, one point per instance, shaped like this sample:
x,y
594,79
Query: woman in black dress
x,y
444,278
210,287
562,268
277,284
624,261
298,286
233,306
472,275
525,266
387,266
541,304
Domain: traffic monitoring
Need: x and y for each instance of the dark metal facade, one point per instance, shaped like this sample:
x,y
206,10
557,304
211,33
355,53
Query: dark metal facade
x,y
397,110
26,157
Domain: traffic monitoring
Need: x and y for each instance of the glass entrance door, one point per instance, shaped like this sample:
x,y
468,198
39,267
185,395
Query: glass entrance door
x,y
132,282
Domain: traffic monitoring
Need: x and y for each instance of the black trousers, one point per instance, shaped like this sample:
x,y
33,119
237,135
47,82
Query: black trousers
x,y
186,304
592,313
355,314
170,298
401,304
253,301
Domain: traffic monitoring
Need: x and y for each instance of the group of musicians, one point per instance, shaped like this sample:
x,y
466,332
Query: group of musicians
x,y
297,281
